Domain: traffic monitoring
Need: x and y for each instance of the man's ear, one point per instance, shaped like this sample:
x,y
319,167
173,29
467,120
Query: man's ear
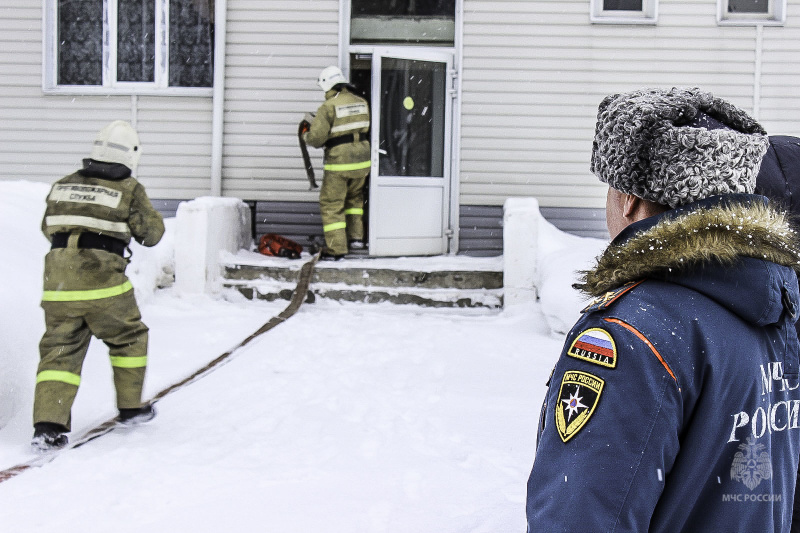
x,y
631,206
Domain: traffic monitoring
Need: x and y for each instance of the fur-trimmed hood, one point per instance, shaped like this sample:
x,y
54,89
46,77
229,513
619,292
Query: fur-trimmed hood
x,y
680,244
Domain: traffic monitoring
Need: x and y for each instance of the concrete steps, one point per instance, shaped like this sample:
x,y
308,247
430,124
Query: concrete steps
x,y
440,281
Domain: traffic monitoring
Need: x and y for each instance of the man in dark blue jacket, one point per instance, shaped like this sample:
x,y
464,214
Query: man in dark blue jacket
x,y
779,180
675,405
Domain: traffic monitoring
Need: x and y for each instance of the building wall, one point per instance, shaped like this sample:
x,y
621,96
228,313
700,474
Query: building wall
x,y
275,52
43,137
535,71
532,75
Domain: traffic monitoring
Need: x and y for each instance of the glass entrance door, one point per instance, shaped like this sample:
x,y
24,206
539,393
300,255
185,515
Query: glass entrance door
x,y
411,133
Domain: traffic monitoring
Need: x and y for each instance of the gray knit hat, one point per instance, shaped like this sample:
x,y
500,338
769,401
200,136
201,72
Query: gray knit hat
x,y
676,146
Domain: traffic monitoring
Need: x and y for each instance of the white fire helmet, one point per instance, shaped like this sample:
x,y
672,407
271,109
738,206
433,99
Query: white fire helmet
x,y
117,143
329,77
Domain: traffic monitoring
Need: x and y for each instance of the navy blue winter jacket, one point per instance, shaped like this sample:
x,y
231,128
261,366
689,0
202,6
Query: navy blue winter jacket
x,y
674,406
779,175
779,180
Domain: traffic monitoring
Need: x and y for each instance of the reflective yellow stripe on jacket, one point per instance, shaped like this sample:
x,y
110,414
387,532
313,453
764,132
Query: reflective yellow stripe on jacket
x,y
342,167
92,294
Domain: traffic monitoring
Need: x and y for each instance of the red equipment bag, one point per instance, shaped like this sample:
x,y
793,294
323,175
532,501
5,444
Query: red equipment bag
x,y
272,244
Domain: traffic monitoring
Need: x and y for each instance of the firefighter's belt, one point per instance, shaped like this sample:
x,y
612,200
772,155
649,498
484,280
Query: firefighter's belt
x,y
344,139
89,239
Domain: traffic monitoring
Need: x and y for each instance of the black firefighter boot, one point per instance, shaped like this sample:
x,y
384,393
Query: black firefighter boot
x,y
327,255
136,416
48,436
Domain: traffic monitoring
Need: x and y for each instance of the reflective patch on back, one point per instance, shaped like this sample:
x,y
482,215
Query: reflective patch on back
x,y
577,400
595,346
350,126
87,222
351,110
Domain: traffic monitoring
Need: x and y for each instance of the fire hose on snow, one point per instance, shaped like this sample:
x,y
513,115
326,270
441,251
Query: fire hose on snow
x,y
298,297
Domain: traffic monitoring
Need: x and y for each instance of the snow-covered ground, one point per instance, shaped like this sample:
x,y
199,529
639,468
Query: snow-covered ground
x,y
346,418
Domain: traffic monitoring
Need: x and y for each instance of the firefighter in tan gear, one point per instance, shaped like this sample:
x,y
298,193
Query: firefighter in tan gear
x,y
341,125
90,219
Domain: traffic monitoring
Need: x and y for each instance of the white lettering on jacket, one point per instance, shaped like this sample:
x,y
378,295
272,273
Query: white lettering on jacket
x,y
351,110
772,418
772,373
85,194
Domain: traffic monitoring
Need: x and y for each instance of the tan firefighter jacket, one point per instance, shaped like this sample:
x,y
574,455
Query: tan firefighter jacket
x,y
117,208
343,113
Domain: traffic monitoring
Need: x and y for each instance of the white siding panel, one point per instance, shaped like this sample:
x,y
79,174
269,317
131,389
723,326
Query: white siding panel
x,y
276,49
779,110
534,73
44,137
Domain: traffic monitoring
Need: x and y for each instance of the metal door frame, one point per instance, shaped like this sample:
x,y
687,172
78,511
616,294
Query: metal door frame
x,y
447,58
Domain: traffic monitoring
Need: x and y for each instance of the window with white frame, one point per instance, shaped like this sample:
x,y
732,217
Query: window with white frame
x,y
624,11
751,12
411,22
129,46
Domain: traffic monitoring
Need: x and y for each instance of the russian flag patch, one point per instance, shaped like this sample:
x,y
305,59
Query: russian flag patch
x,y
595,346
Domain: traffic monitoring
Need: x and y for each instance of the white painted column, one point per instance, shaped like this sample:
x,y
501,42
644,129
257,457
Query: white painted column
x,y
204,228
520,245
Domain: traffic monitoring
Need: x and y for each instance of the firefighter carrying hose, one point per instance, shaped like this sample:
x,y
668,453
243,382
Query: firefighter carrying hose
x,y
90,218
341,126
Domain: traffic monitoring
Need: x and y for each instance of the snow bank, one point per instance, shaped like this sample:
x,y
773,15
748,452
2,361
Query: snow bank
x,y
153,268
543,262
561,257
21,269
